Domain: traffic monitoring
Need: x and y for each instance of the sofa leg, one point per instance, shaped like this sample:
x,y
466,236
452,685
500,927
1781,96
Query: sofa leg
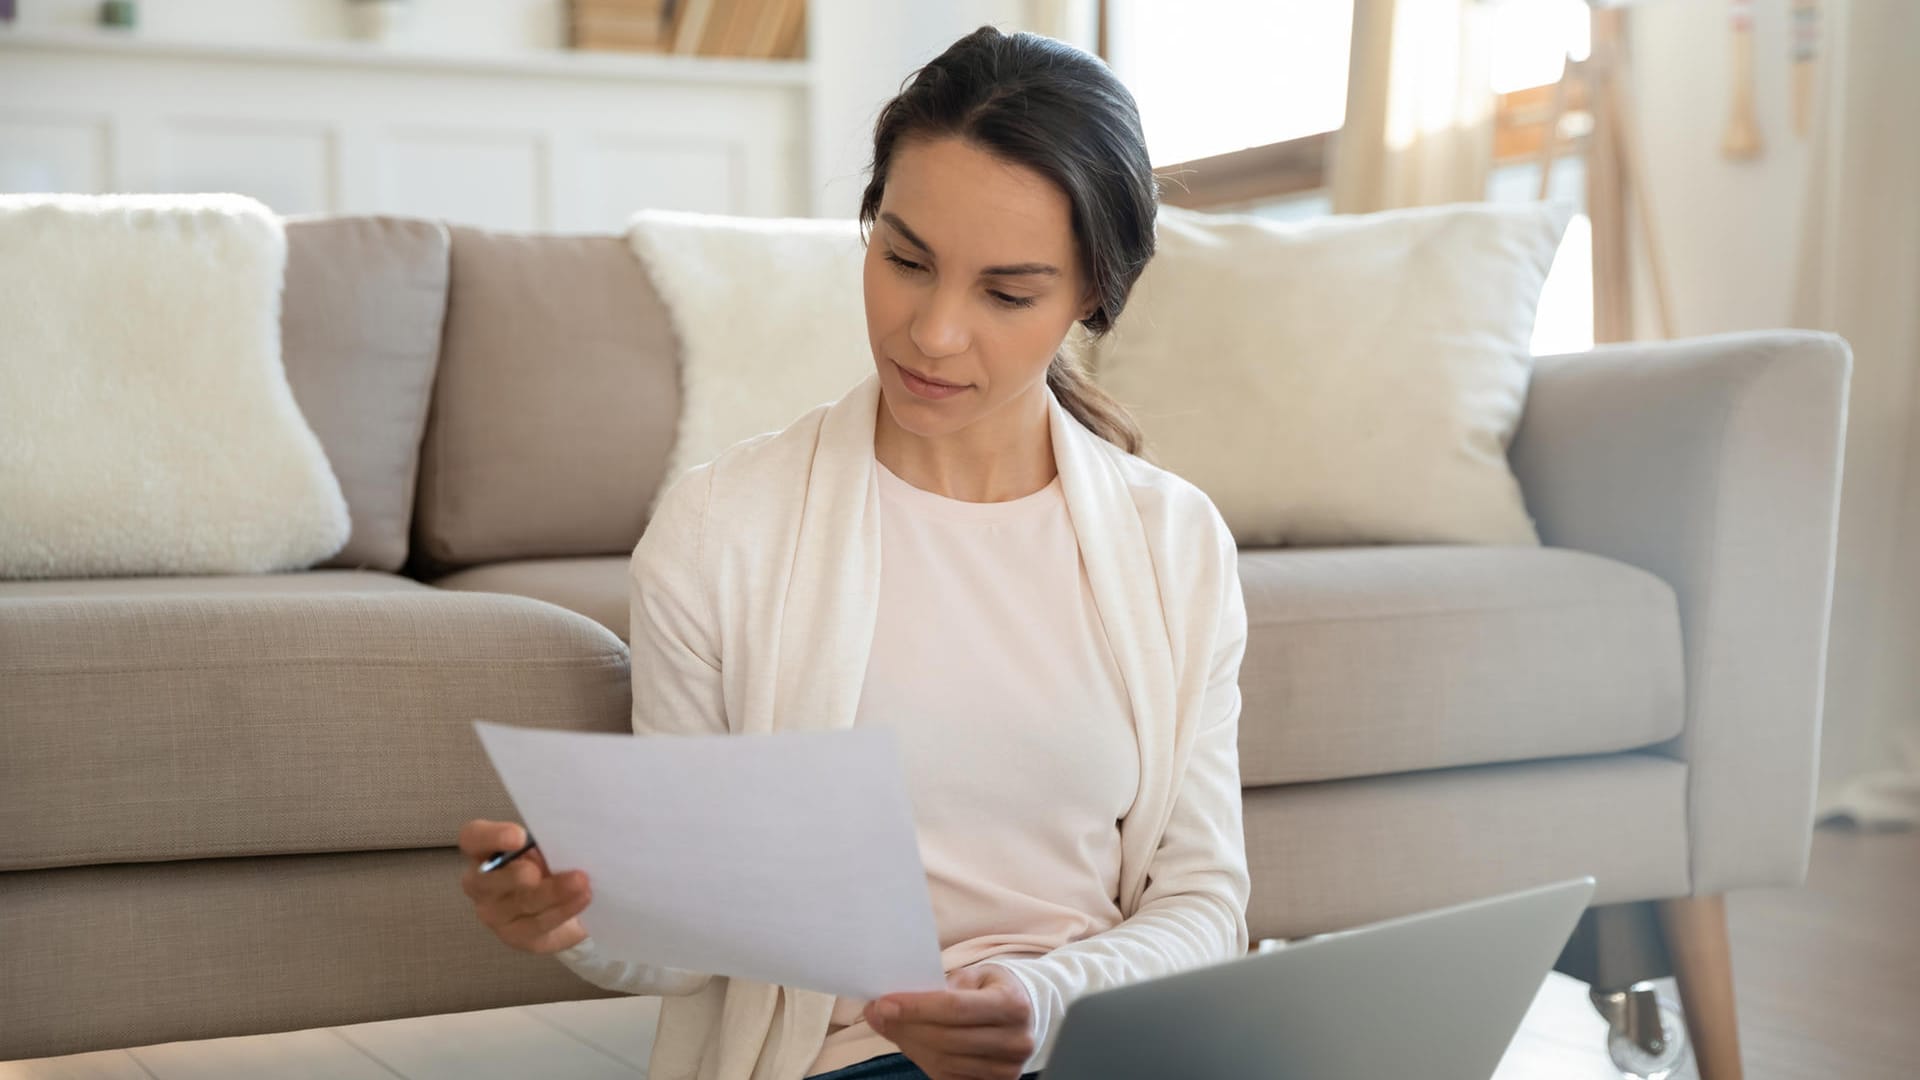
x,y
1695,928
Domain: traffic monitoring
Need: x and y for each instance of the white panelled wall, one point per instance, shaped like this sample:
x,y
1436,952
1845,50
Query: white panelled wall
x,y
473,114
556,142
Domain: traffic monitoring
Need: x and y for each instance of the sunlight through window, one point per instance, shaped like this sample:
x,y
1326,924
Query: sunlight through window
x,y
1215,76
1533,38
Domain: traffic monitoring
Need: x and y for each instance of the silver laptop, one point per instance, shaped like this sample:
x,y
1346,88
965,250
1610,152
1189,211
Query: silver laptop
x,y
1438,995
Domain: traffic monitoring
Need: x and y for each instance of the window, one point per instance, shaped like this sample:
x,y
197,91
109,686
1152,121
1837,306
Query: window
x,y
1237,99
1532,38
1216,76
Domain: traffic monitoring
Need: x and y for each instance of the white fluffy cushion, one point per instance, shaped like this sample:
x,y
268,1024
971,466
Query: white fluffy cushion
x,y
1352,379
769,315
146,423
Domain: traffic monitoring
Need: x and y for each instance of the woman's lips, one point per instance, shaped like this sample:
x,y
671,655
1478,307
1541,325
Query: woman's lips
x,y
932,391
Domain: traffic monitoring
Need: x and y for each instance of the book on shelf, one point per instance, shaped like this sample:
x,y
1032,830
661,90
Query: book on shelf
x,y
746,15
790,36
624,25
690,24
761,29
780,31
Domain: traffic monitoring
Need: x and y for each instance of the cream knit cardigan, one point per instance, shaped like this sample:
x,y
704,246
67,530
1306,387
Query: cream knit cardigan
x,y
769,557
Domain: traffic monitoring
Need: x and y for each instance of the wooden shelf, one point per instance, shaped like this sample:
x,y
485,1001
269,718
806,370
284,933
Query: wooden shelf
x,y
546,63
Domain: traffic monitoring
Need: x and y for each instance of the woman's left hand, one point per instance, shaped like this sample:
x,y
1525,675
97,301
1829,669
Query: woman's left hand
x,y
978,1028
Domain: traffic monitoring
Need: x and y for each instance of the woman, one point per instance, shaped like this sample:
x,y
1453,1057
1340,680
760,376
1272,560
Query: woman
x,y
963,548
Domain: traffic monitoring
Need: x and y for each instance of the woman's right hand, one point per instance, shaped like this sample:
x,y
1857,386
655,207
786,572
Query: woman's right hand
x,y
523,903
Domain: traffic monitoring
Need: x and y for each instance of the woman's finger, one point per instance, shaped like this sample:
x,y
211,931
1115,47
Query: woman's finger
x,y
486,888
480,838
998,1044
549,893
538,859
536,925
957,1007
967,978
524,875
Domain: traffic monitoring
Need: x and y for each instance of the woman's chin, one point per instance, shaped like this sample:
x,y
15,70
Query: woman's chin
x,y
916,415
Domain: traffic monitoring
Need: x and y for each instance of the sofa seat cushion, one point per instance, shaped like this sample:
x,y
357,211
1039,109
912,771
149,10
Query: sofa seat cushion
x,y
250,717
595,586
1369,661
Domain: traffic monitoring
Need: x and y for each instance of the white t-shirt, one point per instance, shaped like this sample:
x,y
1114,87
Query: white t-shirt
x,y
991,665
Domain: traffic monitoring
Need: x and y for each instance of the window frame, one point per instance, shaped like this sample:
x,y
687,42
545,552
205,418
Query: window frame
x,y
1302,165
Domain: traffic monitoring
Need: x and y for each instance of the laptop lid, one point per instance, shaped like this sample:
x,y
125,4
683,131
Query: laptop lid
x,y
1436,995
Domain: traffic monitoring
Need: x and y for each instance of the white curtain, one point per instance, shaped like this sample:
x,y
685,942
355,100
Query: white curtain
x,y
1859,276
1420,103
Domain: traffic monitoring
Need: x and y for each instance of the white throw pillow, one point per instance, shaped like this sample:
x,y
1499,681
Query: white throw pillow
x,y
770,318
1354,379
146,422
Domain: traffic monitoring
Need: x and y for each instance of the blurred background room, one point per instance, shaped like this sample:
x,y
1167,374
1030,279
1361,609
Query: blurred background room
x,y
1734,165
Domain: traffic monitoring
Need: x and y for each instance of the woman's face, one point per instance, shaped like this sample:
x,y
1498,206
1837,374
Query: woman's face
x,y
972,280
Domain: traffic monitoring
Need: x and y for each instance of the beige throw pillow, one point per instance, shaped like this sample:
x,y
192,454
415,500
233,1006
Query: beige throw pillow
x,y
770,317
1354,379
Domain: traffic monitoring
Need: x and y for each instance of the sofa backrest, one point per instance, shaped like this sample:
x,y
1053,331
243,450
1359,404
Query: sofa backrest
x,y
554,406
360,317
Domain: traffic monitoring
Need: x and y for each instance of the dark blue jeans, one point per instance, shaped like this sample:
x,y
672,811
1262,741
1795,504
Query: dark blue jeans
x,y
887,1067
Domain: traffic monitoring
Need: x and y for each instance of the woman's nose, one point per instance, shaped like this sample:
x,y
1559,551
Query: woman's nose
x,y
939,326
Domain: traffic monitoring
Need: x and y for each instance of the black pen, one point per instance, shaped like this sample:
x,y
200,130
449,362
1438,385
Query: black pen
x,y
502,858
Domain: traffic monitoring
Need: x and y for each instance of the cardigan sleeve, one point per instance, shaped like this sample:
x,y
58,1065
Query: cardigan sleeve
x,y
676,684
1194,909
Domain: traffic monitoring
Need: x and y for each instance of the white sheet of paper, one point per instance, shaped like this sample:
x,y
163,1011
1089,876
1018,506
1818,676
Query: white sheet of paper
x,y
787,858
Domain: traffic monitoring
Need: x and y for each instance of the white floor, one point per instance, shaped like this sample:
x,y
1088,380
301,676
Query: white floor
x,y
1562,1038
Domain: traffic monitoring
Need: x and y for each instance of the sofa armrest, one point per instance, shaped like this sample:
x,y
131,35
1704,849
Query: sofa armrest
x,y
1714,463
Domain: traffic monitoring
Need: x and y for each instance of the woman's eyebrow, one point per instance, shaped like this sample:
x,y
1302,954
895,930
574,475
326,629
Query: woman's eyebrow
x,y
1014,270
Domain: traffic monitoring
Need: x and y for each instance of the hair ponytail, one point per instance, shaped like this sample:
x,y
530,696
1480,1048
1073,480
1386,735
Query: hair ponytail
x,y
1096,409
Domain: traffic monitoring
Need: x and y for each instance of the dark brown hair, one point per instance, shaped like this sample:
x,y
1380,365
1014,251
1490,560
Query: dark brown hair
x,y
1043,104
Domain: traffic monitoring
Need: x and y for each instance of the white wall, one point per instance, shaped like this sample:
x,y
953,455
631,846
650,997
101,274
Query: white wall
x,y
521,140
862,50
1729,230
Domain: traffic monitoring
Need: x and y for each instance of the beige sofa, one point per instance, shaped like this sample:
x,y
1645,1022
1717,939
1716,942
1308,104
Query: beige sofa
x,y
227,805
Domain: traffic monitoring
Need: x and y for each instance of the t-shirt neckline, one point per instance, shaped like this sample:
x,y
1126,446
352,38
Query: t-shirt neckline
x,y
899,491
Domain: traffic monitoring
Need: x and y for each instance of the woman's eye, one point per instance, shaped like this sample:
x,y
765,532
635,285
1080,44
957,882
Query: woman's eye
x,y
1005,300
